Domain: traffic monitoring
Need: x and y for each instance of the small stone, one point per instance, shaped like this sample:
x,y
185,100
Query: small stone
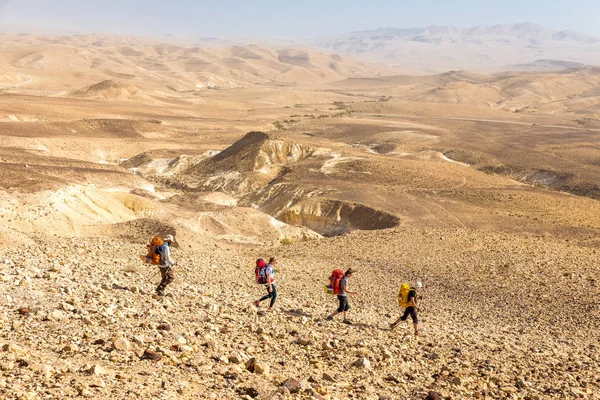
x,y
328,378
98,382
292,385
250,391
122,344
261,368
164,327
387,355
70,348
151,355
97,369
362,363
181,340
23,311
234,359
434,396
58,315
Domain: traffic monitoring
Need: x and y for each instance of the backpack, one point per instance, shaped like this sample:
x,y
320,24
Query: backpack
x,y
153,256
260,272
335,280
403,295
160,250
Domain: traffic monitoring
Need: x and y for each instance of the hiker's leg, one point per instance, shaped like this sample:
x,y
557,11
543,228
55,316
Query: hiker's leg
x,y
343,304
415,319
407,312
169,276
273,295
340,307
267,296
163,278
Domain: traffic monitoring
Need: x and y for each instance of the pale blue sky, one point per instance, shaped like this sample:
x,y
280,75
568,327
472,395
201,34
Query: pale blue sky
x,y
296,19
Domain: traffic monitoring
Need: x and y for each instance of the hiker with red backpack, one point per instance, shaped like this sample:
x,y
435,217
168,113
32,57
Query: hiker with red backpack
x,y
338,283
265,275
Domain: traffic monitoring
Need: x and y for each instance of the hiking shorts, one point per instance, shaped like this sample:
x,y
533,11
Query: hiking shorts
x,y
344,306
413,314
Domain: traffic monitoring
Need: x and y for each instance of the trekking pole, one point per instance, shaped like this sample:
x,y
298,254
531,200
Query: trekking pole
x,y
150,275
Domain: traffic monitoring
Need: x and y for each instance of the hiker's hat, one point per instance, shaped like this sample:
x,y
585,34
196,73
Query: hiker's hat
x,y
168,238
419,285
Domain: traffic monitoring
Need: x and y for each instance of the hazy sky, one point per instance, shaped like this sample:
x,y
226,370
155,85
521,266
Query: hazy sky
x,y
298,18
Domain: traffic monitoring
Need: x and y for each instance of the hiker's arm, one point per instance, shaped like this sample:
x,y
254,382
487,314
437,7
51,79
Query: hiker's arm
x,y
168,257
269,279
413,302
349,291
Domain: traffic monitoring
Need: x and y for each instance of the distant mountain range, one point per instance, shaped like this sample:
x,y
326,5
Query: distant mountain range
x,y
484,48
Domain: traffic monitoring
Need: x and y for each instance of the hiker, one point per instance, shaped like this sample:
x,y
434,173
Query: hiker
x,y
407,298
342,293
265,274
166,264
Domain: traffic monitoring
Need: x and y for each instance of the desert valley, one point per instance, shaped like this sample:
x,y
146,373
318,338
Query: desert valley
x,y
483,183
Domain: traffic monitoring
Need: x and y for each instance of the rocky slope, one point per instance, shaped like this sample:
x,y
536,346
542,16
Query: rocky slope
x,y
504,316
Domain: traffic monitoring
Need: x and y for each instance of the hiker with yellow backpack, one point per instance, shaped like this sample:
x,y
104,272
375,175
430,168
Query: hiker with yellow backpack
x,y
407,299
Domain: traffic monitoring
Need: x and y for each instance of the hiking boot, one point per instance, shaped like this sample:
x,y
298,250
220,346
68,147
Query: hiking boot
x,y
160,292
329,318
347,322
257,303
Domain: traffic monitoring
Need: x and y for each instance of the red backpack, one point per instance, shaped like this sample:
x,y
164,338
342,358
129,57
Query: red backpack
x,y
335,279
261,272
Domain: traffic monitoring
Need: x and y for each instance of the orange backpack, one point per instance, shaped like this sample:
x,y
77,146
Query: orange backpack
x,y
153,257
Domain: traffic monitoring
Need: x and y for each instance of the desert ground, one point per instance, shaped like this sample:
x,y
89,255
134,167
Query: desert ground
x,y
485,187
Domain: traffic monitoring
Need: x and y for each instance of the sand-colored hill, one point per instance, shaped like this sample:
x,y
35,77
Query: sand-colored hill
x,y
107,89
84,60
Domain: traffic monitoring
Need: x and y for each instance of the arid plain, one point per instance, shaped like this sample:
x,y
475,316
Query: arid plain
x,y
485,187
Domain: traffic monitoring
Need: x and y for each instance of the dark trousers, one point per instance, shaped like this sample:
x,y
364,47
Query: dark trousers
x,y
344,306
413,314
271,295
167,276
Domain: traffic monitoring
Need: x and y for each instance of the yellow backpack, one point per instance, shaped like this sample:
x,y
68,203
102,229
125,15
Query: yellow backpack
x,y
403,295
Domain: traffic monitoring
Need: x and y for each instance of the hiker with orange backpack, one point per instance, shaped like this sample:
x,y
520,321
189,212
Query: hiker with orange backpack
x,y
265,275
407,299
166,264
159,253
338,282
